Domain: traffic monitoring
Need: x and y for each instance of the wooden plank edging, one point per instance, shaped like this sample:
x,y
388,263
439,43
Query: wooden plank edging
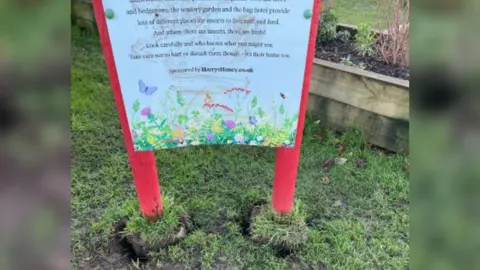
x,y
388,133
366,90
368,74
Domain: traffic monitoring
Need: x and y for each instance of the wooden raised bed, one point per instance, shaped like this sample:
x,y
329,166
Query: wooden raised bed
x,y
82,15
343,97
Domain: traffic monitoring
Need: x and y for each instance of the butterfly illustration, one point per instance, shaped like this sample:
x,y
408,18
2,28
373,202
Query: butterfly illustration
x,y
144,89
134,135
252,120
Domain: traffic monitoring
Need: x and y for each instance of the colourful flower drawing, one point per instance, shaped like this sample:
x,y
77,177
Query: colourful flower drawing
x,y
230,124
146,111
242,121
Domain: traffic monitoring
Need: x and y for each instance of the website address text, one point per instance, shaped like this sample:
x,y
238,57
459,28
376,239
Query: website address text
x,y
211,70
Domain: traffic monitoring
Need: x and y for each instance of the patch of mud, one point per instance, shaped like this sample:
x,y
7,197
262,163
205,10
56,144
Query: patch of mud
x,y
119,244
106,261
221,266
134,248
247,217
220,225
172,266
295,263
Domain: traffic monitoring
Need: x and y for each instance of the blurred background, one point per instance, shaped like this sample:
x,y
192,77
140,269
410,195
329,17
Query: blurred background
x,y
34,134
35,122
445,134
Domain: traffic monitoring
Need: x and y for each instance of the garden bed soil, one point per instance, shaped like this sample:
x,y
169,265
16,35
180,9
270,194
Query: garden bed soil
x,y
336,50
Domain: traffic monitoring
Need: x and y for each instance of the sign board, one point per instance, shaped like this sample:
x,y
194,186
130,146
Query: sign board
x,y
191,72
195,72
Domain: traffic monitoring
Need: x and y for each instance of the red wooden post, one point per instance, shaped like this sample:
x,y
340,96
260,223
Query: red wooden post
x,y
286,164
143,165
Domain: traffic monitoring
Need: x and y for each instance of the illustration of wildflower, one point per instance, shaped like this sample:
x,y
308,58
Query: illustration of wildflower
x,y
230,124
239,138
177,124
240,94
146,111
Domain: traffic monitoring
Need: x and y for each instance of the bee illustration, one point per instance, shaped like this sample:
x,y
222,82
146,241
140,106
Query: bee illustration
x,y
208,98
180,142
283,95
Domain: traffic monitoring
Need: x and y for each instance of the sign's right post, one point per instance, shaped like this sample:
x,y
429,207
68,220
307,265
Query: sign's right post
x,y
287,159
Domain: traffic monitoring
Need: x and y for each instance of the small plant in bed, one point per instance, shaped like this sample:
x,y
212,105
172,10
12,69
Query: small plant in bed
x,y
347,62
283,232
327,29
393,45
344,36
365,40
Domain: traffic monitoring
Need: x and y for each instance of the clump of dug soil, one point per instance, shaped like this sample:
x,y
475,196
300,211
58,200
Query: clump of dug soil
x,y
134,236
283,232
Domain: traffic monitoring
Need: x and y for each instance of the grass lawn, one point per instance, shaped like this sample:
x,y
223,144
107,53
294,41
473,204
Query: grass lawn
x,y
361,11
359,220
356,12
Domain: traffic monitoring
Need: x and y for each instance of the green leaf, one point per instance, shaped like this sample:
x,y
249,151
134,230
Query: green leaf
x,y
136,106
182,119
287,122
281,110
151,117
180,99
166,129
196,114
138,125
261,113
163,122
254,102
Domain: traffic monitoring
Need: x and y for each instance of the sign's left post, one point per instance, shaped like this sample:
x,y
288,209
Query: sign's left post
x,y
142,163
